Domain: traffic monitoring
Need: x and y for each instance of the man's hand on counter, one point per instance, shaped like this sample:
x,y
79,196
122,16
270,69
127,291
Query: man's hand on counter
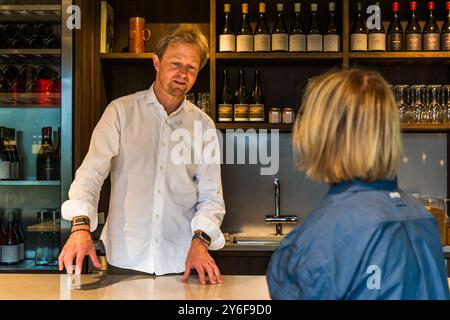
x,y
199,258
79,245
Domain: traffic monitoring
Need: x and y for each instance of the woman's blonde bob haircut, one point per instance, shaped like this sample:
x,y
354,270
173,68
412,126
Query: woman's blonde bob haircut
x,y
348,128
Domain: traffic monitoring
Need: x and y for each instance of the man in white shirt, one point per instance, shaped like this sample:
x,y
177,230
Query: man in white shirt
x,y
163,215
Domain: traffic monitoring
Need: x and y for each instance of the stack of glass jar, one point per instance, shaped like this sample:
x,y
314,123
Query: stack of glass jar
x,y
428,104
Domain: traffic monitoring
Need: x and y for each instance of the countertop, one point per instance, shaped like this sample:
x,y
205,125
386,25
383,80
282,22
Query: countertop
x,y
120,287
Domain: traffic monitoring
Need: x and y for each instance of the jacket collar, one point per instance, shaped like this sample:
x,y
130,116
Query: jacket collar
x,y
360,185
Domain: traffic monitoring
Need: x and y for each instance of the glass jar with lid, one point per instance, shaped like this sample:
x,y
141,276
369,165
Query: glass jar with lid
x,y
288,115
275,115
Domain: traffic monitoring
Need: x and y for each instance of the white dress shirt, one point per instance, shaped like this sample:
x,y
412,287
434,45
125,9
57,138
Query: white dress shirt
x,y
155,204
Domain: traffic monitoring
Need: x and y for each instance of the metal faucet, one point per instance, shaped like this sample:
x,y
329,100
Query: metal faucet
x,y
277,218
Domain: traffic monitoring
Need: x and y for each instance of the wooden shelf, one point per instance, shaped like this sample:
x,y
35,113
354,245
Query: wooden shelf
x,y
30,13
27,266
29,183
444,128
279,56
127,56
30,7
33,100
282,127
404,56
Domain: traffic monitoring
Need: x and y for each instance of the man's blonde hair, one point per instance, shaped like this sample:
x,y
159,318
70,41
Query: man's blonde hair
x,y
348,128
189,34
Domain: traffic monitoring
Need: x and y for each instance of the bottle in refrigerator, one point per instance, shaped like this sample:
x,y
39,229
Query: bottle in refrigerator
x,y
5,160
10,243
19,232
46,160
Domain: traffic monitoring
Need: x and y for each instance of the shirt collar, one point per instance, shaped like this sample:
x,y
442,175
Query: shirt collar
x,y
359,185
150,97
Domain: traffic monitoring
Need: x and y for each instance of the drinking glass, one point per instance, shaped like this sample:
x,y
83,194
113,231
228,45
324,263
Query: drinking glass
x,y
419,103
400,97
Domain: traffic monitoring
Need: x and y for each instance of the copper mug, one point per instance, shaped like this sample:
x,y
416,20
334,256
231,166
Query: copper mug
x,y
137,35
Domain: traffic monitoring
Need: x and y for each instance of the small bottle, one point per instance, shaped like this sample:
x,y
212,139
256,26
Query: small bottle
x,y
431,33
5,158
377,37
297,37
331,39
396,39
241,105
358,34
46,160
19,232
314,38
225,108
227,38
10,243
413,31
262,34
445,37
280,37
257,105
244,38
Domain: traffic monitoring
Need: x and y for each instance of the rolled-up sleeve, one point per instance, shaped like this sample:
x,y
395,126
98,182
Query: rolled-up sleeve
x,y
210,208
85,190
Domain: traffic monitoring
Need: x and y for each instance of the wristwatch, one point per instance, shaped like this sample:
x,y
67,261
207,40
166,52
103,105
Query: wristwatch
x,y
80,220
202,236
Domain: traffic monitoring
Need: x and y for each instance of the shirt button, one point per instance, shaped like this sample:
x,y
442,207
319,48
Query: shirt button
x,y
159,191
157,216
156,240
164,144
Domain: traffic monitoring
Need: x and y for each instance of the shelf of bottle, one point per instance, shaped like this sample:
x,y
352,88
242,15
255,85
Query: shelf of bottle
x,y
110,56
285,127
20,56
29,183
27,266
282,127
30,100
405,56
298,56
30,13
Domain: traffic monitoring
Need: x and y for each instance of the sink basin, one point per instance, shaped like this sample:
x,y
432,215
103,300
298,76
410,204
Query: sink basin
x,y
256,240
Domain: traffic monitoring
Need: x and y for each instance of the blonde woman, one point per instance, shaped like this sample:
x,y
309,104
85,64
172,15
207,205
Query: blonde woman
x,y
368,239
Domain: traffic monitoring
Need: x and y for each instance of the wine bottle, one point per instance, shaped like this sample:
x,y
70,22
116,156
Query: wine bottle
x,y
18,43
45,73
27,73
413,33
377,36
331,39
5,160
241,105
314,38
227,38
36,42
19,232
7,146
244,39
10,73
396,40
445,37
358,34
262,34
54,43
46,161
10,243
225,108
16,164
431,33
280,37
297,37
44,30
10,30
26,30
257,105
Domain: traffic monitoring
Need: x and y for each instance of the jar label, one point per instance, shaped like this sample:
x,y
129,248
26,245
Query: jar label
x,y
244,43
358,42
256,112
331,43
262,42
297,43
280,42
241,112
314,42
431,42
225,112
377,42
227,43
395,42
414,42
10,254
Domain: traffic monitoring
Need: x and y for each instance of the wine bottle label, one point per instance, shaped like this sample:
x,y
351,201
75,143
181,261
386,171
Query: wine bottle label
x,y
377,42
280,42
227,43
21,251
257,112
445,42
262,42
10,254
297,43
414,42
431,42
358,42
225,112
395,42
244,43
241,112
314,42
331,43
5,170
